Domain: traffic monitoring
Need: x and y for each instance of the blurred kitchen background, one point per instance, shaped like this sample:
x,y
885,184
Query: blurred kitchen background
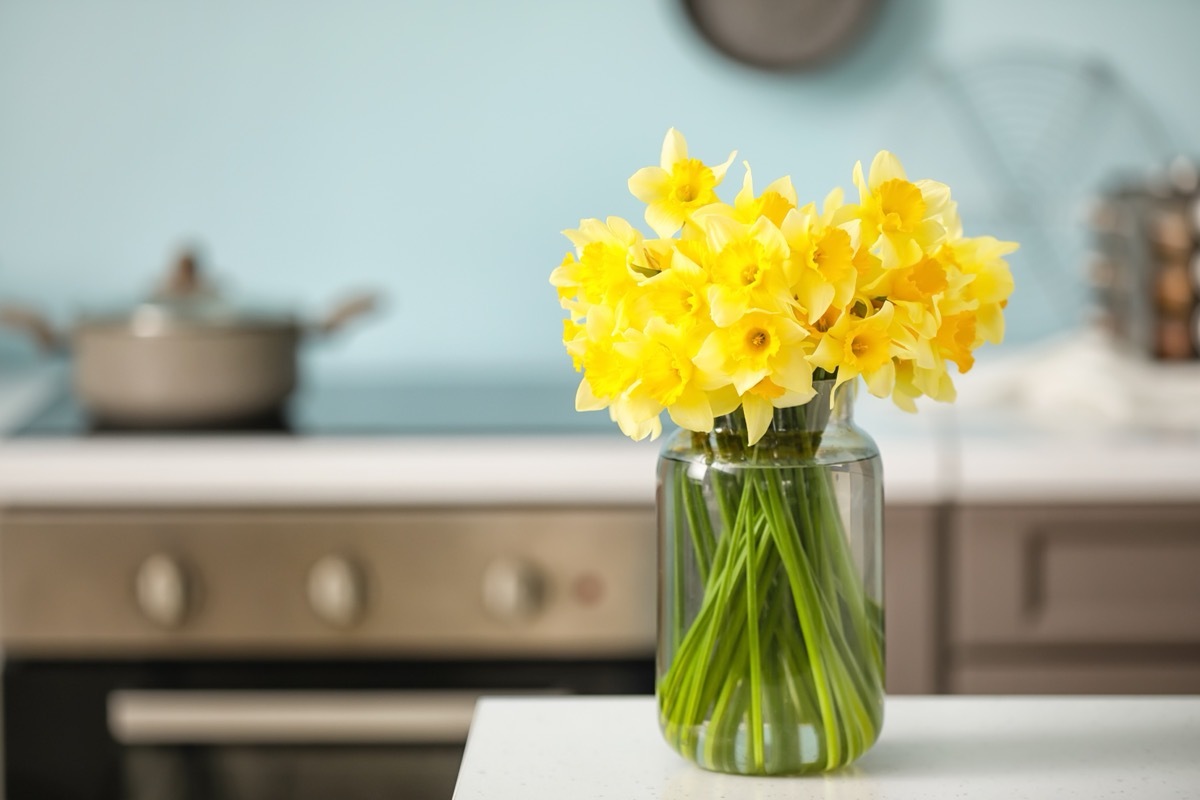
x,y
434,150
306,603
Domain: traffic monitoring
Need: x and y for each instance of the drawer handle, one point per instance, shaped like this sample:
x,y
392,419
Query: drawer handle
x,y
285,717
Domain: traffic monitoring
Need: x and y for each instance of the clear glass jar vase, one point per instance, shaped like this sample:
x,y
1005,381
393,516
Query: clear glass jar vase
x,y
770,627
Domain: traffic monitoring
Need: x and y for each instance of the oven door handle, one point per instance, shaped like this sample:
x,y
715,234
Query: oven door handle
x,y
151,717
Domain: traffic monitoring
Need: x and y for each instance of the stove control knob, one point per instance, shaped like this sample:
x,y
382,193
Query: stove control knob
x,y
162,591
513,589
337,591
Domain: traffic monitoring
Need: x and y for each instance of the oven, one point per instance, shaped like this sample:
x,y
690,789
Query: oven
x,y
251,654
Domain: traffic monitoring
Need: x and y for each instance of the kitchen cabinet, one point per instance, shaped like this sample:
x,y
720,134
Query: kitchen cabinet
x,y
1097,598
912,597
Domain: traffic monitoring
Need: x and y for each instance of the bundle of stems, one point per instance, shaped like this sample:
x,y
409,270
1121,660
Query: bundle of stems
x,y
780,667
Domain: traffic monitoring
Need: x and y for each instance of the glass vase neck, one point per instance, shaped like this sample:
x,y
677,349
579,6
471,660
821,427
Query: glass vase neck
x,y
827,407
798,429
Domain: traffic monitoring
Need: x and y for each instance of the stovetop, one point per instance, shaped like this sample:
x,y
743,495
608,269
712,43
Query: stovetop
x,y
364,408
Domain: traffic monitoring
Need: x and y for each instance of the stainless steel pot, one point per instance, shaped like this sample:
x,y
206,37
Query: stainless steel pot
x,y
185,357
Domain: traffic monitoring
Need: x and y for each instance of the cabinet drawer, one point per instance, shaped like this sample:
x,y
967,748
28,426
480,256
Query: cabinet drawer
x,y
1076,679
911,598
1076,575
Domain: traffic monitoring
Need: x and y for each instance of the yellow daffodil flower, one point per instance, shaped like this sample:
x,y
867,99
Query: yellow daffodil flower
x,y
607,372
905,391
646,429
677,187
862,346
736,305
982,258
956,338
667,378
903,218
678,295
603,271
914,381
821,269
761,356
746,268
573,332
915,291
774,203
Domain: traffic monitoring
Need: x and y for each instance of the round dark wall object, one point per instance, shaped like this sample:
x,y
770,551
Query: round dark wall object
x,y
782,34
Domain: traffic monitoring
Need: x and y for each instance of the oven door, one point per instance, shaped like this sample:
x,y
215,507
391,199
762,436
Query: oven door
x,y
261,731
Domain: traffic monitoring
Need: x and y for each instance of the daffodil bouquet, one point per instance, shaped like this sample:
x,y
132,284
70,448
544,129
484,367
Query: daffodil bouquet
x,y
732,318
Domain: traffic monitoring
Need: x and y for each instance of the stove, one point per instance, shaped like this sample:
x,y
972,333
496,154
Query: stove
x,y
365,408
324,650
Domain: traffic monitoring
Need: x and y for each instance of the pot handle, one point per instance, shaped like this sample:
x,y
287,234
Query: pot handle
x,y
345,312
36,326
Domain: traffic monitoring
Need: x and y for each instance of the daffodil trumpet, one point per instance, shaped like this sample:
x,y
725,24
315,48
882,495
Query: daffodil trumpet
x,y
745,322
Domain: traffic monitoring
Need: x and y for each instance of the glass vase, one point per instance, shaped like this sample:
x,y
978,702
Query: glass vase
x,y
770,630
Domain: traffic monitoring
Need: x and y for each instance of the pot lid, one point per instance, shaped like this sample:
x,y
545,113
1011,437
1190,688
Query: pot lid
x,y
186,298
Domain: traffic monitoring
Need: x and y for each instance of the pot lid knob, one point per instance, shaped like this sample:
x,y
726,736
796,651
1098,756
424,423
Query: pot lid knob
x,y
185,279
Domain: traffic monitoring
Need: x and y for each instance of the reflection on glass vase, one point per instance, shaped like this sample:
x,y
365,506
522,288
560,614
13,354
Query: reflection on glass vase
x,y
770,643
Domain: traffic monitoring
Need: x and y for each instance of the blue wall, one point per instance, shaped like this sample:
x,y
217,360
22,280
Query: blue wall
x,y
436,149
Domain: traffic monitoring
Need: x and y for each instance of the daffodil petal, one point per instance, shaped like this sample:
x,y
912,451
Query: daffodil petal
x,y
745,380
663,219
720,169
759,412
721,230
782,187
828,353
746,195
726,308
936,195
880,382
586,400
641,408
772,240
860,182
794,226
709,357
833,201
674,149
816,296
904,402
885,167
649,184
793,372
621,229
724,400
692,411
990,323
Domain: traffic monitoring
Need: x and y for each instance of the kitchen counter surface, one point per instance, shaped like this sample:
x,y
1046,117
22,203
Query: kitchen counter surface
x,y
939,455
932,748
378,470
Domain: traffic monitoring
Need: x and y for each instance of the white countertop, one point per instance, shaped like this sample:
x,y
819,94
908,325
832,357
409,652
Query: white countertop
x,y
373,471
939,455
932,748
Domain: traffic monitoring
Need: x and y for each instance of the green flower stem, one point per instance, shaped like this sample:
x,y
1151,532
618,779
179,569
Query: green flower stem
x,y
848,576
715,601
756,679
677,578
699,526
800,578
